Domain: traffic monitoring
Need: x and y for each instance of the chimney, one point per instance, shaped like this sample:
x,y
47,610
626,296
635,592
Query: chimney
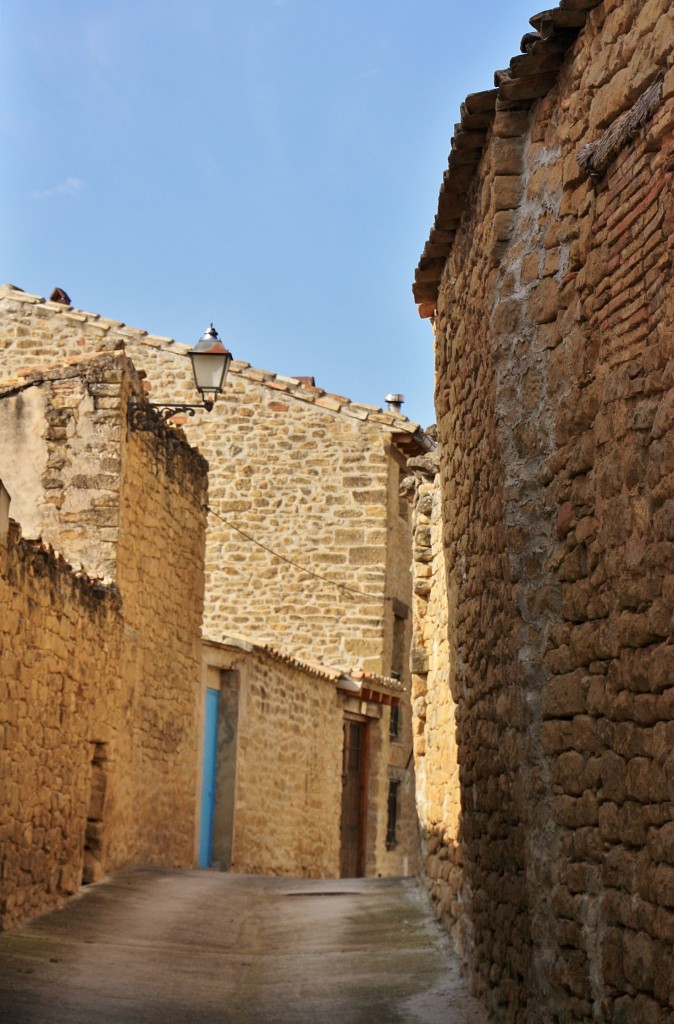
x,y
58,295
394,402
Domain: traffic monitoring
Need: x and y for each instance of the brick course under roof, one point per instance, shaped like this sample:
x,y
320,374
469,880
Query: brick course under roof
x,y
530,75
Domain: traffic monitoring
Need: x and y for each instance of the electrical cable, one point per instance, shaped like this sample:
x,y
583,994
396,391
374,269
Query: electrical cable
x,y
296,565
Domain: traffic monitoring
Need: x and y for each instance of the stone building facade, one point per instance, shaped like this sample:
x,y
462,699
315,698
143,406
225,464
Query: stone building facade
x,y
308,544
434,705
281,763
548,275
311,475
99,664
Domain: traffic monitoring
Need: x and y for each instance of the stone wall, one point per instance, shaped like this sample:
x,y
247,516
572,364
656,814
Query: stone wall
x,y
435,709
101,680
305,473
62,459
57,633
160,574
279,766
391,755
554,395
310,476
288,768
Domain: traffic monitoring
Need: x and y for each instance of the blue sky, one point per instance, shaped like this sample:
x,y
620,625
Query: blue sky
x,y
270,165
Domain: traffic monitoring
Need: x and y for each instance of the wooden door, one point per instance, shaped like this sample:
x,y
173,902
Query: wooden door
x,y
354,794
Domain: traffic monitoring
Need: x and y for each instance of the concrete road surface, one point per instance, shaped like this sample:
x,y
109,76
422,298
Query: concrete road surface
x,y
204,947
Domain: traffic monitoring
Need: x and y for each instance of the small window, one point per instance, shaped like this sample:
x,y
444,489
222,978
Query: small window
x,y
394,722
392,821
403,503
399,643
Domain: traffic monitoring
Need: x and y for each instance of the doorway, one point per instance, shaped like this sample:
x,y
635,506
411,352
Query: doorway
x,y
225,772
218,786
354,799
208,777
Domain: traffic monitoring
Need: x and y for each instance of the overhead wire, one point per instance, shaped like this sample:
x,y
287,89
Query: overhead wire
x,y
302,568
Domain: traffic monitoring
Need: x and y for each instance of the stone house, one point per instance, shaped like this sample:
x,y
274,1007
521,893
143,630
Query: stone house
x,y
308,553
288,739
547,689
99,669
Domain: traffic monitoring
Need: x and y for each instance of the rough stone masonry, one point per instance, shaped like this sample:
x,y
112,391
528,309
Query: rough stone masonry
x,y
548,275
293,470
99,669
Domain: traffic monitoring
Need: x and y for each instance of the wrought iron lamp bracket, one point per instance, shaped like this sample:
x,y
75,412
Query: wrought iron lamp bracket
x,y
154,416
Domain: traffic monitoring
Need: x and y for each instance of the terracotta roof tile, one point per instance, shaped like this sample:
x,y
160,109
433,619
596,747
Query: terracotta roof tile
x,y
159,340
103,321
20,296
329,403
132,332
529,76
303,392
327,672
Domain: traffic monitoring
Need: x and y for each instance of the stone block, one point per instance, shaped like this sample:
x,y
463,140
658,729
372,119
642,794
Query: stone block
x,y
510,123
506,155
569,773
502,225
619,93
664,885
544,302
506,191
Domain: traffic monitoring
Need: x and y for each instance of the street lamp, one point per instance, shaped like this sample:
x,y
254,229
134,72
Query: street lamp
x,y
210,362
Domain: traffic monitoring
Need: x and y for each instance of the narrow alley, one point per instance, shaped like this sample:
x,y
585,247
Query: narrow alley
x,y
206,947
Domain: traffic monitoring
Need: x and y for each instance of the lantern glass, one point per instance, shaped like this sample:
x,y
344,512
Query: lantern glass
x,y
210,363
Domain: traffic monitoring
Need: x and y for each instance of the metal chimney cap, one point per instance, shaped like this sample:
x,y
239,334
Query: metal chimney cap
x,y
394,402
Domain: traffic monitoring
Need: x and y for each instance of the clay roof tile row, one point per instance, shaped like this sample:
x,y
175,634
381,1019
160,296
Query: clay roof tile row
x,y
530,75
370,680
299,390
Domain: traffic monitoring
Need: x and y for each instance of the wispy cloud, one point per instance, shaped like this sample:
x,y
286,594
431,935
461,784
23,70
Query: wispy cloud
x,y
69,187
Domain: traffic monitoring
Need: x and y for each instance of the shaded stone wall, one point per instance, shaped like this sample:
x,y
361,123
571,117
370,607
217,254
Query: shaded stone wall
x,y
390,761
554,395
100,681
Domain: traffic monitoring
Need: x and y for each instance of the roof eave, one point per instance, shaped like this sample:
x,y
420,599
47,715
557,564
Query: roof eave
x,y
530,76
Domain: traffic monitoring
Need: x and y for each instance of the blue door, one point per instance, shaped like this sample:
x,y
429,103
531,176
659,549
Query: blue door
x,y
208,779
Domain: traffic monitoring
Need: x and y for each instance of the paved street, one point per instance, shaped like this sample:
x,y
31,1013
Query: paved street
x,y
203,947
